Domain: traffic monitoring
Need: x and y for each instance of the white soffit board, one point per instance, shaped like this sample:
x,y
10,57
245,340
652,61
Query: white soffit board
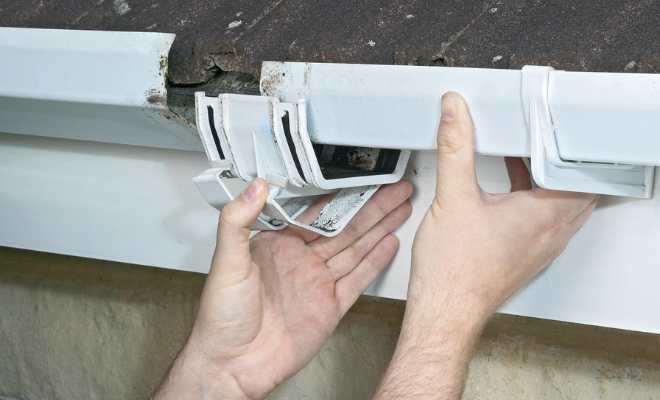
x,y
90,85
138,205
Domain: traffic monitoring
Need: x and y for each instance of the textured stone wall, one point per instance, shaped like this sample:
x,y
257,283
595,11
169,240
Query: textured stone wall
x,y
74,328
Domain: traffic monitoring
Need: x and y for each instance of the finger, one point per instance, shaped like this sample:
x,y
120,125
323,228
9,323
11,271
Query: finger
x,y
386,199
518,174
232,252
350,287
344,262
456,172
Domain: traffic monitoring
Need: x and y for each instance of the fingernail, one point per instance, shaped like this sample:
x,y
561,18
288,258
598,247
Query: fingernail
x,y
448,108
252,192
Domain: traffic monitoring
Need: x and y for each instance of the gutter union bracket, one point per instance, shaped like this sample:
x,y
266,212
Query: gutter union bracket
x,y
551,171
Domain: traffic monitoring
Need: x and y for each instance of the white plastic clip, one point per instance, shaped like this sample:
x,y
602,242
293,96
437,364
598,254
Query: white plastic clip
x,y
551,171
244,138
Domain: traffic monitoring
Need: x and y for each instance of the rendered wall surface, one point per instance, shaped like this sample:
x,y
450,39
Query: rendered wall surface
x,y
74,328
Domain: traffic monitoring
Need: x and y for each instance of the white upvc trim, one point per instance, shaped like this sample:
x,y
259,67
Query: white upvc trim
x,y
138,205
600,117
90,85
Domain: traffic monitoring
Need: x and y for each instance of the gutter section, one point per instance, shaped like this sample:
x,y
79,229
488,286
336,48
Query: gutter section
x,y
90,85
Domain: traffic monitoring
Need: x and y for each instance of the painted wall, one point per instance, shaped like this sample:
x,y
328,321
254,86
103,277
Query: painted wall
x,y
73,328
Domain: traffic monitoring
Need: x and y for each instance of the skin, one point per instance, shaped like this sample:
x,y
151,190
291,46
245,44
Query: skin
x,y
472,251
270,303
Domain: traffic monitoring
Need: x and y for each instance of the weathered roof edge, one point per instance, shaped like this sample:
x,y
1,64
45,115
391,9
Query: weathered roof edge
x,y
233,35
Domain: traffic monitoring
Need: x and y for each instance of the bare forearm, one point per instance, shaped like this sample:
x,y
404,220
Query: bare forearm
x,y
432,357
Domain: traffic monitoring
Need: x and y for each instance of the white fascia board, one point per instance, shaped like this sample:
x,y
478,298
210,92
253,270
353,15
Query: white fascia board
x,y
90,85
105,201
138,205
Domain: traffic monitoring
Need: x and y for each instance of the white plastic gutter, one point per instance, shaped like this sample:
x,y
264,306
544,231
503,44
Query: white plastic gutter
x,y
580,130
600,117
90,85
137,204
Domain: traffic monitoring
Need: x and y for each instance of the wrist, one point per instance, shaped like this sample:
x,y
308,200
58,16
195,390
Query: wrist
x,y
441,319
193,376
432,355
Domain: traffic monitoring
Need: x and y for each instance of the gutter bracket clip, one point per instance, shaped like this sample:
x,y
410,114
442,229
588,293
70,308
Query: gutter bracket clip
x,y
551,171
244,138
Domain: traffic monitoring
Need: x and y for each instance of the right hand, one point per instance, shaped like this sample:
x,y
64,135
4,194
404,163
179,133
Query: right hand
x,y
474,250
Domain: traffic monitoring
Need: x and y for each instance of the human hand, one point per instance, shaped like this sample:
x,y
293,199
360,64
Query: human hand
x,y
270,303
472,251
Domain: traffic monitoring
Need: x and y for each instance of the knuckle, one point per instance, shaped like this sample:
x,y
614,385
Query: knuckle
x,y
320,250
559,249
379,209
372,265
553,223
351,232
358,250
226,218
553,247
450,141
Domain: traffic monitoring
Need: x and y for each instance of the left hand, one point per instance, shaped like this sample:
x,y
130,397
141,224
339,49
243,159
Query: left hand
x,y
270,303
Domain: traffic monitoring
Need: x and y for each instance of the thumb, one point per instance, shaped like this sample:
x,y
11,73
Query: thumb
x,y
232,251
456,172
